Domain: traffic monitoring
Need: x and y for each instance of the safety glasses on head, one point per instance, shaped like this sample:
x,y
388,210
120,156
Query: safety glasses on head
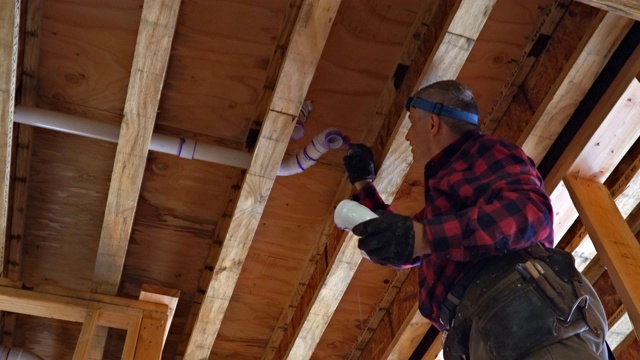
x,y
439,109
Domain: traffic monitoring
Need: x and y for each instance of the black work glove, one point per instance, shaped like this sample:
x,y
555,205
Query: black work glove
x,y
359,163
388,239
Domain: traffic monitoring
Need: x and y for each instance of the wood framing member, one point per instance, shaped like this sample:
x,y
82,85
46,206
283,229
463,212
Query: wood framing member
x,y
569,89
151,56
9,28
150,59
20,178
145,322
420,42
455,42
616,244
609,113
532,50
628,8
307,41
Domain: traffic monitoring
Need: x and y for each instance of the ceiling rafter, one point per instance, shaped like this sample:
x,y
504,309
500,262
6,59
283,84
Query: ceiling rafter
x,y
20,179
303,53
581,70
9,28
532,52
450,53
151,56
419,44
628,8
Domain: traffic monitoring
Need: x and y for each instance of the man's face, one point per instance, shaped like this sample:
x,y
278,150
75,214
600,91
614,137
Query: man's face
x,y
419,136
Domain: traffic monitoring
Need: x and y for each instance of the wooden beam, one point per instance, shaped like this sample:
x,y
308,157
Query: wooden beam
x,y
595,142
628,8
419,44
532,51
151,56
84,340
616,244
115,312
408,336
9,28
20,178
445,62
435,349
307,41
150,59
578,75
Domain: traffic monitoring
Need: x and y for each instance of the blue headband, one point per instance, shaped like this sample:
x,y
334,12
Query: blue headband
x,y
439,109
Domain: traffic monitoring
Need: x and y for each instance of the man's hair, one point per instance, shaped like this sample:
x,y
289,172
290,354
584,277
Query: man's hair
x,y
453,94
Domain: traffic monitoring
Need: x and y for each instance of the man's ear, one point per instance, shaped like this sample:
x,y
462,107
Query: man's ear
x,y
435,123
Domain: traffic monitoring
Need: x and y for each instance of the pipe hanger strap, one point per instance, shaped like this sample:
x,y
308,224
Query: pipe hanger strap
x,y
439,109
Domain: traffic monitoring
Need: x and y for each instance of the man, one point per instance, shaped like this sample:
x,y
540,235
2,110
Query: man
x,y
488,274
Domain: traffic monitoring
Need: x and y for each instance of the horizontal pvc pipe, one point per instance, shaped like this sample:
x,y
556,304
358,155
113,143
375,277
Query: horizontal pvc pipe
x,y
326,140
185,148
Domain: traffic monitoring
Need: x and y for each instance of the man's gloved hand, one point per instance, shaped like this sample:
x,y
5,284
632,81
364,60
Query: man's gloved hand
x,y
359,163
388,239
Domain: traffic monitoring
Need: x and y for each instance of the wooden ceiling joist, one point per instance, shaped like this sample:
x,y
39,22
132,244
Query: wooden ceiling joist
x,y
153,47
9,26
581,70
418,45
628,8
567,63
540,36
455,42
20,182
303,53
584,154
151,56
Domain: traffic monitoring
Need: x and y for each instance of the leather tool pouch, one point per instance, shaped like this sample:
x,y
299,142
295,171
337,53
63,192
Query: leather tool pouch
x,y
523,321
518,314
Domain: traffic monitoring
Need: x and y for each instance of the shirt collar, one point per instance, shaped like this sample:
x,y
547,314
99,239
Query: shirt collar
x,y
443,158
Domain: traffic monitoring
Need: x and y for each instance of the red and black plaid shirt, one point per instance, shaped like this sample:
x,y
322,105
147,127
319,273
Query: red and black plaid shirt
x,y
483,197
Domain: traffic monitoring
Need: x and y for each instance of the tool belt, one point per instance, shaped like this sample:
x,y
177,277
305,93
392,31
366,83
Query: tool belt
x,y
517,303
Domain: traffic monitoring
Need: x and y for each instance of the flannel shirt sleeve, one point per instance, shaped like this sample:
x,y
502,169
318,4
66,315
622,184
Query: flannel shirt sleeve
x,y
368,196
510,209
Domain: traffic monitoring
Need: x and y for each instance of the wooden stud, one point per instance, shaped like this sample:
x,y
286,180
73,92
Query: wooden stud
x,y
150,338
131,341
84,341
307,41
628,8
612,237
161,295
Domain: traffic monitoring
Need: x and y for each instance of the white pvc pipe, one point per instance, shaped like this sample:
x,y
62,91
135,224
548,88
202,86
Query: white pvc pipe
x,y
328,139
17,354
185,148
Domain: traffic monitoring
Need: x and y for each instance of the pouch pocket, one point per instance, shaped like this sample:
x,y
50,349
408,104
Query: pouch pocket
x,y
518,324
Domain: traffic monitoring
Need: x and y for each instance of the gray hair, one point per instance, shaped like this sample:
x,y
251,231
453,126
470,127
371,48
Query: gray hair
x,y
453,94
